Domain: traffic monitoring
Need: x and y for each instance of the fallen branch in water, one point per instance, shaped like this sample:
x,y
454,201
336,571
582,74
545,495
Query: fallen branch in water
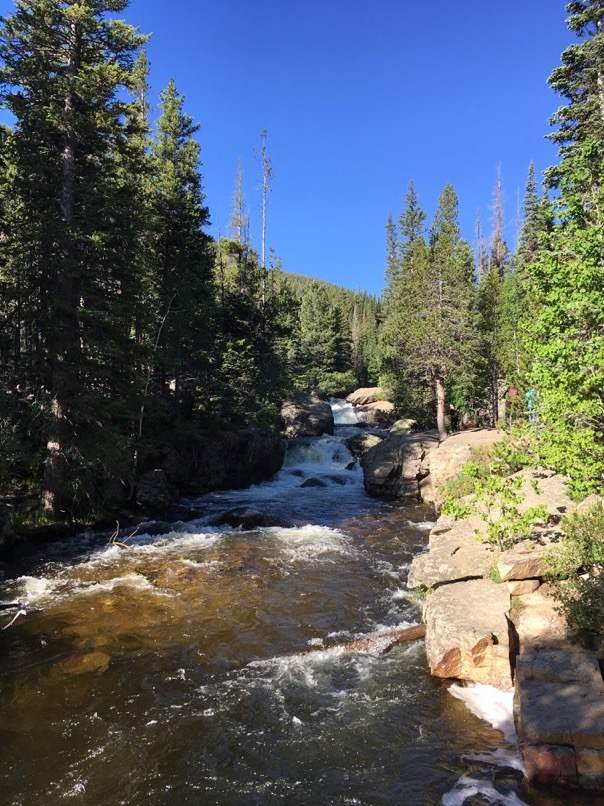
x,y
22,610
384,641
113,540
380,642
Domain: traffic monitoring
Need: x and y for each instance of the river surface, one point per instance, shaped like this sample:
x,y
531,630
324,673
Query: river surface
x,y
205,666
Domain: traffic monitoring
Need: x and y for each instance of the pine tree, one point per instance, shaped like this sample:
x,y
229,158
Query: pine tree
x,y
429,333
407,261
265,188
183,299
446,341
239,219
515,291
565,323
65,66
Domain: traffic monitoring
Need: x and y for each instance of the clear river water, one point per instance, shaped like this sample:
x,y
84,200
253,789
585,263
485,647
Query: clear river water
x,y
206,666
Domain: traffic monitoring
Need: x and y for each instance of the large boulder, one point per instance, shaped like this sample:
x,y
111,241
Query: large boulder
x,y
310,418
153,490
395,467
455,451
222,460
468,633
245,518
403,426
559,715
367,395
381,412
7,536
359,444
454,555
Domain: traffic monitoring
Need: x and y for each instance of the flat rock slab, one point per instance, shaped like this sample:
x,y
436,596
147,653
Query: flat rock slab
x,y
467,632
455,451
557,666
560,714
523,561
551,491
454,555
539,622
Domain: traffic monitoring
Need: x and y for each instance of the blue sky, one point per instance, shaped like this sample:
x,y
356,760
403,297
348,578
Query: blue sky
x,y
358,97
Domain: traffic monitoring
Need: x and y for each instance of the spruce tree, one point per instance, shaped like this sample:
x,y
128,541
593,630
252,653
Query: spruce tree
x,y
183,289
407,265
65,68
429,335
444,348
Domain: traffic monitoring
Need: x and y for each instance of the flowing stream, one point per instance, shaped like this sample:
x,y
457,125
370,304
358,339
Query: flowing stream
x,y
176,668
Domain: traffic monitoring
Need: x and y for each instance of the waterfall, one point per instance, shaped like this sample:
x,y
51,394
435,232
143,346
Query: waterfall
x,y
344,413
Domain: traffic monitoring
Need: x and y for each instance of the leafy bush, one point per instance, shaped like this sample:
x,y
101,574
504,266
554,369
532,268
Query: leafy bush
x,y
483,487
576,568
497,501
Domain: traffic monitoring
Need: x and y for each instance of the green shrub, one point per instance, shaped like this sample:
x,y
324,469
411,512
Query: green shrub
x,y
576,568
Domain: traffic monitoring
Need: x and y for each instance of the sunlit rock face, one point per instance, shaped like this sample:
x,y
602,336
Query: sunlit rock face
x,y
467,632
359,444
312,418
559,713
395,467
362,397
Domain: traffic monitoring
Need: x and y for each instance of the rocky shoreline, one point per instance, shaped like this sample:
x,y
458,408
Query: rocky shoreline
x,y
491,618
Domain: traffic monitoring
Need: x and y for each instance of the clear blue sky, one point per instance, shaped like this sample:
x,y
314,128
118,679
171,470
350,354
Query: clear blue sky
x,y
358,97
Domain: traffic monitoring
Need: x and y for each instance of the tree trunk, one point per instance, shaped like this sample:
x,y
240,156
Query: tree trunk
x,y
440,409
64,343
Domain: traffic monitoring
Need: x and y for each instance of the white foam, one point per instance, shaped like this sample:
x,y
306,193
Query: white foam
x,y
34,588
490,704
501,757
424,525
468,787
311,543
344,413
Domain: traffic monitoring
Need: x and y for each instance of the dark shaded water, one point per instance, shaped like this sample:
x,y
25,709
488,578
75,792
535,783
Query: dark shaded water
x,y
177,670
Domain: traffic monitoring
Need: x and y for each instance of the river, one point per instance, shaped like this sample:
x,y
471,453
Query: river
x,y
205,666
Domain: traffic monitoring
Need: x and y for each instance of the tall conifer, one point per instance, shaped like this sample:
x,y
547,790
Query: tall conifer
x,y
65,66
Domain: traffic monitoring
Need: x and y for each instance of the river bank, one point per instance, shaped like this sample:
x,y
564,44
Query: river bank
x,y
491,618
179,667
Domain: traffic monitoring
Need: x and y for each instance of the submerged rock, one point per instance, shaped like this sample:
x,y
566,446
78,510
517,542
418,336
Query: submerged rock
x,y
244,517
314,482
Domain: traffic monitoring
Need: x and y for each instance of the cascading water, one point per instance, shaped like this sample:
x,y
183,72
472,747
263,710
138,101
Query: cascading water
x,y
206,666
344,413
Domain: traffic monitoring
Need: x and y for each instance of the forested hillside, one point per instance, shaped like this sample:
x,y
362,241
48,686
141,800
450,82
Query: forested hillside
x,y
124,323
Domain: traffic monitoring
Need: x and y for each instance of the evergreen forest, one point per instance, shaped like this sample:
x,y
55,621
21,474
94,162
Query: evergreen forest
x,y
124,323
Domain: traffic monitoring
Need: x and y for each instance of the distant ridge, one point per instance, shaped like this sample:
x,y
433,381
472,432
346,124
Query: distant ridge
x,y
300,281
